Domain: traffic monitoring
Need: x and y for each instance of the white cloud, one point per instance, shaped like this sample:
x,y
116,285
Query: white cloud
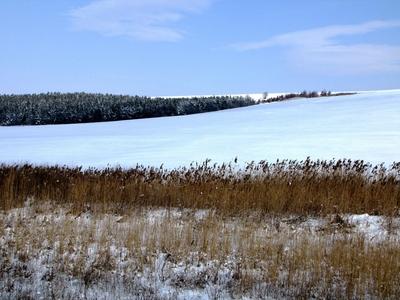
x,y
149,20
318,49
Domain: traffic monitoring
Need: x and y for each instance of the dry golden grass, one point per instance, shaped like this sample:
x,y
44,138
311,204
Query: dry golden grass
x,y
299,187
229,231
44,248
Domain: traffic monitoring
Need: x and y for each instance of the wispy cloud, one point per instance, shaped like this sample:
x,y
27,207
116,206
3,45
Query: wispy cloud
x,y
319,48
149,20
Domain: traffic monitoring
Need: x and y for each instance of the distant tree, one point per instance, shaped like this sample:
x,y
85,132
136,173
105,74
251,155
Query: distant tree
x,y
313,94
303,94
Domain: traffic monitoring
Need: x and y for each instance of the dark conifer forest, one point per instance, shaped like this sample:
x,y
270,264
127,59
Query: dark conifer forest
x,y
59,108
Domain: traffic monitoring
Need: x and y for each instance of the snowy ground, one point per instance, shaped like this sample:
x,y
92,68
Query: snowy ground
x,y
364,126
46,252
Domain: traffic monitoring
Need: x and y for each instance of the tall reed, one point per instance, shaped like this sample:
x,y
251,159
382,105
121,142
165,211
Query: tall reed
x,y
288,187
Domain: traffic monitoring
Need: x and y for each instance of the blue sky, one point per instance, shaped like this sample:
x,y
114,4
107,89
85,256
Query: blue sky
x,y
180,47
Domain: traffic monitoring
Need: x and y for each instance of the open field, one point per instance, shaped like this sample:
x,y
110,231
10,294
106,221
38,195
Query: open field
x,y
363,126
200,150
287,230
222,229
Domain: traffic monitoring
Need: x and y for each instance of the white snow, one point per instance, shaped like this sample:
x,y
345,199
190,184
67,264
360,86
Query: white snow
x,y
364,126
372,227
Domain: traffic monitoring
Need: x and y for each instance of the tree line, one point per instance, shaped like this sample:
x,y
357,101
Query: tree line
x,y
66,108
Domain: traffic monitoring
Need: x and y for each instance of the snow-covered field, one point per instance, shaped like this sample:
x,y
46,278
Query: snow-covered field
x,y
364,126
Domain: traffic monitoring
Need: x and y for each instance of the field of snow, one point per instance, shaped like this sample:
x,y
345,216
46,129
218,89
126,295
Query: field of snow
x,y
364,126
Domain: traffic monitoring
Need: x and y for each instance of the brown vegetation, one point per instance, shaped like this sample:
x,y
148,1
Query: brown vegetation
x,y
45,250
265,229
284,187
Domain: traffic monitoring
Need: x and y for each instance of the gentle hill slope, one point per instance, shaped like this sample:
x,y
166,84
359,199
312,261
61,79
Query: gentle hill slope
x,y
364,126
